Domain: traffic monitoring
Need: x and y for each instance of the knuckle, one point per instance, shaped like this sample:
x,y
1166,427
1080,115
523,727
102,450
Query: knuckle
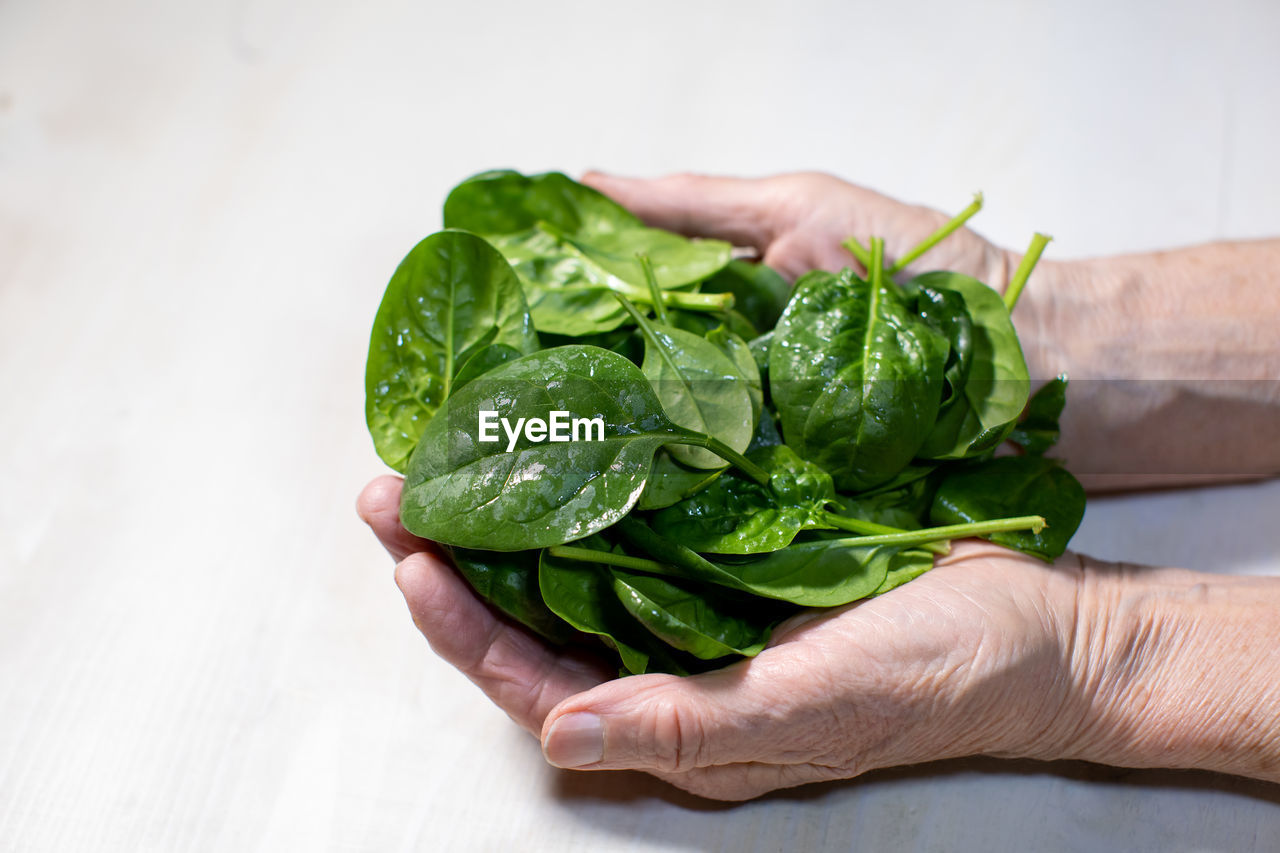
x,y
674,734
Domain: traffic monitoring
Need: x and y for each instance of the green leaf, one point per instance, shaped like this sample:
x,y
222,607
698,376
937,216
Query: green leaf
x,y
996,388
734,515
451,296
856,377
670,482
572,248
700,387
504,202
582,595
509,581
462,491
694,620
758,291
905,566
1014,486
484,360
1038,430
811,574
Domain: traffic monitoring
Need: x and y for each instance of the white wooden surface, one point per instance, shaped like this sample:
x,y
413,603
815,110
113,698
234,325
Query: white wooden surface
x,y
200,203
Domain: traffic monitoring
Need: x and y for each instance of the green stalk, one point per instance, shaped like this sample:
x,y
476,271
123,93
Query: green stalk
x,y
875,272
608,558
1034,523
941,234
870,528
1023,272
859,252
659,309
727,453
708,302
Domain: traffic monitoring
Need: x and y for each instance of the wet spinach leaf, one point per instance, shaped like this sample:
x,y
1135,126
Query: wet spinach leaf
x,y
856,377
671,482
451,296
700,387
462,491
1012,486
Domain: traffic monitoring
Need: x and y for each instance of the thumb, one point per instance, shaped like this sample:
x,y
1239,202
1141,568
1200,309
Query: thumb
x,y
739,210
662,723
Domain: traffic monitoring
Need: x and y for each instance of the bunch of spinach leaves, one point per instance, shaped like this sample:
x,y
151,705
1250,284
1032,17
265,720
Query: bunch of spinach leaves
x,y
759,450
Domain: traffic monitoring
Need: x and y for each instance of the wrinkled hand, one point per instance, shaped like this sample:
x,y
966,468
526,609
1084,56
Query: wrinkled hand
x,y
972,657
796,222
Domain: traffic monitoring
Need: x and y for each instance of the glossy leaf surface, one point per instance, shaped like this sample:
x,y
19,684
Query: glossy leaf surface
x,y
451,296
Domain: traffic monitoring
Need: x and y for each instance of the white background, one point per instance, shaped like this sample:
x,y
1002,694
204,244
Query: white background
x,y
200,202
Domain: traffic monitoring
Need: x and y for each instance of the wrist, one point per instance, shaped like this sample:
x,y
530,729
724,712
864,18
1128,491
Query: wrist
x,y
1172,668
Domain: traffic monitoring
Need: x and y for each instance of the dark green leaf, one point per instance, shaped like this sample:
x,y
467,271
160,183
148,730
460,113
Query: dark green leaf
x,y
693,620
670,482
1038,430
1013,486
462,491
903,567
734,515
758,291
856,377
812,574
504,202
485,359
509,581
995,390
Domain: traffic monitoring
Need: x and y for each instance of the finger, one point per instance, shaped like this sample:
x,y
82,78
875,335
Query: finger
x,y
521,674
739,210
379,507
748,712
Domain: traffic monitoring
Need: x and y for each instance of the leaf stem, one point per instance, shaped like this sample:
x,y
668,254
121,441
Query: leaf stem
x,y
727,453
938,236
859,252
608,558
871,528
708,302
1023,272
875,272
1034,523
659,309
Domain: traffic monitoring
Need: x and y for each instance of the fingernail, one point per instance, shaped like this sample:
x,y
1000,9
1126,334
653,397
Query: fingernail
x,y
575,740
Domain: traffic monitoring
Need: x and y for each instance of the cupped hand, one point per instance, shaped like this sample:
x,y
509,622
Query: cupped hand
x,y
796,222
974,657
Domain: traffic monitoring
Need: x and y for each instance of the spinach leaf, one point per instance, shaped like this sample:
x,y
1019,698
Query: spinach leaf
x,y
856,377
945,312
509,581
758,291
995,390
739,353
484,360
905,566
1038,430
737,516
692,620
503,202
811,574
670,482
451,296
582,594
572,247
700,387
1011,486
460,490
